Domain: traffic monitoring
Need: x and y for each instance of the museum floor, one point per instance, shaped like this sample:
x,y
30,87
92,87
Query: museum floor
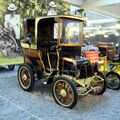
x,y
16,104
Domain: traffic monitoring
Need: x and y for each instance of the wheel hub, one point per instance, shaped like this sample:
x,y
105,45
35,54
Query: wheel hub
x,y
63,93
25,77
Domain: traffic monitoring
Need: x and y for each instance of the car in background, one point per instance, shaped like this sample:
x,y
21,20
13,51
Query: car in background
x,y
88,47
111,50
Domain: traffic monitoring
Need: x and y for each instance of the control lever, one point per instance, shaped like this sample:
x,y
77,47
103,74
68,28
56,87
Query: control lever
x,y
55,48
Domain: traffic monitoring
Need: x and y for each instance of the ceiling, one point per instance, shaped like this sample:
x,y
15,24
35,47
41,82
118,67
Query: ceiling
x,y
101,14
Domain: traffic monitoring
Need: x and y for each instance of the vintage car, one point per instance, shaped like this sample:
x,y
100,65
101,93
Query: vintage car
x,y
110,69
88,47
52,54
110,50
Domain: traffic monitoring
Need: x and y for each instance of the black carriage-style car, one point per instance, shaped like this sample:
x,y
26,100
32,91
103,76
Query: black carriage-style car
x,y
52,50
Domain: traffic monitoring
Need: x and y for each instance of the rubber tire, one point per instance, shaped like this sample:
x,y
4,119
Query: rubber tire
x,y
118,86
72,85
104,87
11,67
30,70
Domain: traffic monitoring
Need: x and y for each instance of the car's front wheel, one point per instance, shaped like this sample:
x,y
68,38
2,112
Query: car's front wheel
x,y
65,92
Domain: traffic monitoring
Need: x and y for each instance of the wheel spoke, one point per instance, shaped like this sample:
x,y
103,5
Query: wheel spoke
x,y
59,97
57,90
58,87
68,99
27,82
63,85
25,77
24,82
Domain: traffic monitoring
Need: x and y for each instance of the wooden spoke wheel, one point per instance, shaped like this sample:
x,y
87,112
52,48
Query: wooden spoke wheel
x,y
26,77
98,84
113,80
64,92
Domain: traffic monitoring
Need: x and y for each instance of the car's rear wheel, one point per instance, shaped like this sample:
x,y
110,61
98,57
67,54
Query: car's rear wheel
x,y
98,84
26,77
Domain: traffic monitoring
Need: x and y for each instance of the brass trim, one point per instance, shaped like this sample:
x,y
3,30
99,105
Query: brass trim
x,y
41,61
70,60
48,56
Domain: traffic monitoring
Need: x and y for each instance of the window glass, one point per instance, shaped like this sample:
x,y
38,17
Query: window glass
x,y
70,32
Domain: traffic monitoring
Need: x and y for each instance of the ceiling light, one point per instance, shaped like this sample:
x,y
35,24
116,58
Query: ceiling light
x,y
118,26
101,32
91,35
99,27
117,34
106,36
87,36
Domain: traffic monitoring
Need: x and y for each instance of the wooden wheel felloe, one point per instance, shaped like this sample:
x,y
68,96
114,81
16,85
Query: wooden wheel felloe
x,y
64,92
26,77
